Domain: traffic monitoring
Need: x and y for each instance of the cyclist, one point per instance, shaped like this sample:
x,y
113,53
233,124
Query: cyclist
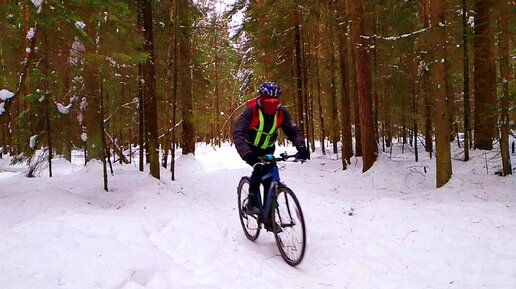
x,y
255,133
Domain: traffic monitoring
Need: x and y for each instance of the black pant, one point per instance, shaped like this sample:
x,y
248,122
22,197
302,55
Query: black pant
x,y
256,178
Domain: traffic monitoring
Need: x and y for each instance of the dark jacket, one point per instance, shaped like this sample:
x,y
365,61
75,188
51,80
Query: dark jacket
x,y
243,134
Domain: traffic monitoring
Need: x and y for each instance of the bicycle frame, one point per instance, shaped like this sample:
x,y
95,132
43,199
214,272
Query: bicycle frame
x,y
274,174
286,214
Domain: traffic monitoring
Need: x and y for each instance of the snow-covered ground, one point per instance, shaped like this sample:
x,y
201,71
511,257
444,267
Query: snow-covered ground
x,y
386,228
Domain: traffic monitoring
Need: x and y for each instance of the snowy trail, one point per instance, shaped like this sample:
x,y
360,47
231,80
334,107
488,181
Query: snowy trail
x,y
387,228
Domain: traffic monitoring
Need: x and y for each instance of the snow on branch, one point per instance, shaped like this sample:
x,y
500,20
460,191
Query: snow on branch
x,y
5,94
31,33
63,109
396,38
37,3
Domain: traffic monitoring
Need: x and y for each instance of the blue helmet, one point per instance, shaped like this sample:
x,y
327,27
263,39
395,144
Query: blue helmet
x,y
270,89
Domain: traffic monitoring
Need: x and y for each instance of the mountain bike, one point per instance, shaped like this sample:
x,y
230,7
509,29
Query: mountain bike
x,y
281,208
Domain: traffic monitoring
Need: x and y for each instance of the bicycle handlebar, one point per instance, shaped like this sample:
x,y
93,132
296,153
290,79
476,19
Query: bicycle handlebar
x,y
283,157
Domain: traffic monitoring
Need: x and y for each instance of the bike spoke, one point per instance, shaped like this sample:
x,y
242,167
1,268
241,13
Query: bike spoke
x,y
288,216
250,223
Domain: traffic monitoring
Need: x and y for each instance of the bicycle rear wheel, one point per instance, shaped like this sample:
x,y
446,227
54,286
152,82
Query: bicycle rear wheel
x,y
289,226
249,223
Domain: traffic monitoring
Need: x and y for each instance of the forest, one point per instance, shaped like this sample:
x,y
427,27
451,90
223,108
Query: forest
x,y
119,79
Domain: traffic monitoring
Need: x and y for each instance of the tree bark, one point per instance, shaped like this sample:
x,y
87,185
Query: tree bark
x,y
347,139
149,89
306,91
465,73
185,60
319,101
174,19
47,100
334,120
141,118
505,76
91,82
298,74
356,110
485,77
442,129
363,76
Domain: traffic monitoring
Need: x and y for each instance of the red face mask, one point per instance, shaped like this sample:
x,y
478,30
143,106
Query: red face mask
x,y
269,104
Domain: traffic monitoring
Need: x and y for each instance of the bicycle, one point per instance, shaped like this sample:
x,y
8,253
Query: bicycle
x,y
282,205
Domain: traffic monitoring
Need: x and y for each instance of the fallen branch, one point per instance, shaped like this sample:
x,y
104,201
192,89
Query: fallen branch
x,y
116,148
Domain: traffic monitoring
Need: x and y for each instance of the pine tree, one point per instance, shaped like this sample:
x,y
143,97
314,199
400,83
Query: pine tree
x,y
363,77
185,61
442,131
149,88
485,77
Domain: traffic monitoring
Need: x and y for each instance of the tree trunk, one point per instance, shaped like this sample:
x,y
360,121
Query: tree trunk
x,y
149,88
375,85
505,76
104,145
141,118
306,91
218,133
334,120
429,144
185,60
174,19
466,100
92,116
319,101
356,110
363,76
46,84
442,129
414,93
298,74
347,139
485,77
310,103
414,122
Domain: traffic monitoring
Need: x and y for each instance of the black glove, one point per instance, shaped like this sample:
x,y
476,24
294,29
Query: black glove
x,y
251,158
303,154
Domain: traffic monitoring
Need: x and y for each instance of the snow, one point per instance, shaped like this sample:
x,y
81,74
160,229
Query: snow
x,y
37,3
33,141
471,21
64,109
397,37
386,228
80,25
2,107
5,94
31,33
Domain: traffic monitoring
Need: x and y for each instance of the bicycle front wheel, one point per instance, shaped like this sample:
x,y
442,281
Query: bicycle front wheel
x,y
289,226
249,223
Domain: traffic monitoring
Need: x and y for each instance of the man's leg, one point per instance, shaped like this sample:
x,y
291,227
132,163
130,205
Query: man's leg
x,y
254,190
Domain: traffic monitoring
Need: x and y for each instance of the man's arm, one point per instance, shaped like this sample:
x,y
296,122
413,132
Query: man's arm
x,y
240,131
